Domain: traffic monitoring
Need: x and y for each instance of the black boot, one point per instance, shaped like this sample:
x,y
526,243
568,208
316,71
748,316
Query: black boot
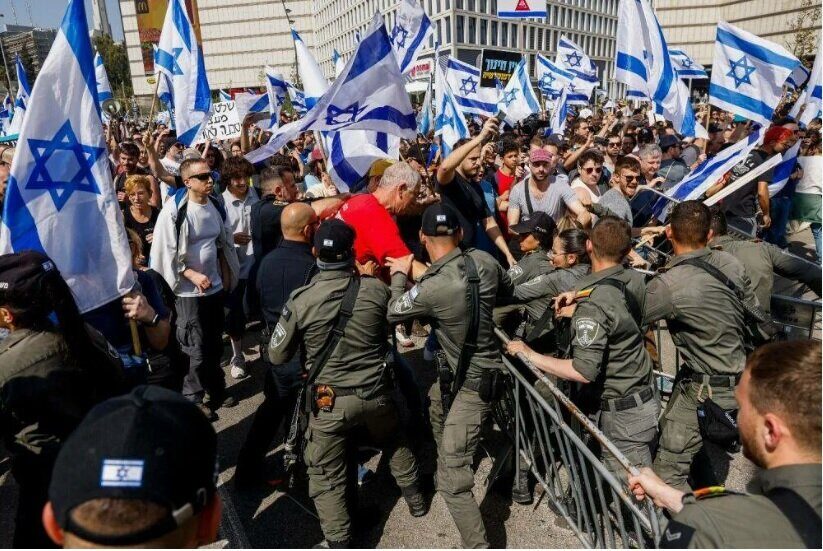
x,y
327,544
521,492
417,502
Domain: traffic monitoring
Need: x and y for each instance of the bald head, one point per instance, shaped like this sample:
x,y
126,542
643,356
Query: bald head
x,y
295,220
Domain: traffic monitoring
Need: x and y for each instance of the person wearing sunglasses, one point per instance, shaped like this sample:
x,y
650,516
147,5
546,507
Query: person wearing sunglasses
x,y
589,177
613,151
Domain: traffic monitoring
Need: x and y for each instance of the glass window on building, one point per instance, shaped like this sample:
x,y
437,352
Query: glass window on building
x,y
484,34
482,6
471,5
494,33
540,44
471,35
531,38
458,4
493,7
447,24
437,6
504,35
460,35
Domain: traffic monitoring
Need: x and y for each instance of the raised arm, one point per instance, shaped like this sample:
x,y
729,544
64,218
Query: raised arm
x,y
445,174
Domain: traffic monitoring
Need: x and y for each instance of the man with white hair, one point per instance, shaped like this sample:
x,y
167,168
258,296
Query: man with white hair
x,y
650,157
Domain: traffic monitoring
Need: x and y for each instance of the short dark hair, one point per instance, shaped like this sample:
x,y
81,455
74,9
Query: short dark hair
x,y
611,238
626,162
573,241
690,222
235,167
116,516
274,173
185,166
719,225
785,378
507,145
460,142
130,149
591,154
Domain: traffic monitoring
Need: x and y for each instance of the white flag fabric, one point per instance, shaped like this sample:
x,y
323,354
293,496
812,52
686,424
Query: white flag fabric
x,y
339,63
686,67
810,98
630,66
798,77
425,119
276,89
298,98
551,78
352,152
518,99
411,30
103,86
314,83
60,198
249,103
570,56
579,91
180,58
557,124
464,81
370,94
449,123
21,102
782,172
224,95
748,73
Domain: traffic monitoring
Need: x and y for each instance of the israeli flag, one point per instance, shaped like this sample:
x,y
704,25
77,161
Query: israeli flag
x,y
784,169
339,63
557,124
464,81
551,78
571,57
369,95
798,77
686,67
60,198
276,89
579,91
164,86
180,58
8,103
630,65
298,99
248,103
709,172
449,123
810,98
425,120
637,95
314,83
5,121
103,86
748,73
352,152
119,473
224,95
21,103
518,99
411,30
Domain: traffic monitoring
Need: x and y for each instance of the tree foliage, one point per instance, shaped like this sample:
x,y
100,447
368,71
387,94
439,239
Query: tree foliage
x,y
116,61
804,28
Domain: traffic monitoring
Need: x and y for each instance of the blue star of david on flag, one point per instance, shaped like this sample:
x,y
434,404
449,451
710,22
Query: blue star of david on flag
x,y
468,86
169,61
743,66
57,181
336,115
399,35
573,59
546,82
509,97
443,120
686,62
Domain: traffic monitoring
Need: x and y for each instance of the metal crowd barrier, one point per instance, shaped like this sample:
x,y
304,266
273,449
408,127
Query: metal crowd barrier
x,y
556,441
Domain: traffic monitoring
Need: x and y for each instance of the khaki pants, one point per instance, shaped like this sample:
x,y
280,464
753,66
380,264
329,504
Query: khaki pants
x,y
633,432
325,455
680,439
457,440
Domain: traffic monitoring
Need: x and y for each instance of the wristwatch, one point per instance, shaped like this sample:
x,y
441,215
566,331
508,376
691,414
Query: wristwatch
x,y
154,321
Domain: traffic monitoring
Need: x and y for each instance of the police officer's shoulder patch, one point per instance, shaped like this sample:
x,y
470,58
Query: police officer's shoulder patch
x,y
286,313
277,336
676,536
534,281
515,271
586,331
405,303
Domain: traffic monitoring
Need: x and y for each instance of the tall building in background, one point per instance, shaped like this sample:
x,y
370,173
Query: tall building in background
x,y
465,27
239,38
31,43
101,17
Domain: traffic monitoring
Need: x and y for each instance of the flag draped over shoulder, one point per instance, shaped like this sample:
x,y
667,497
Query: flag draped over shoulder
x,y
60,198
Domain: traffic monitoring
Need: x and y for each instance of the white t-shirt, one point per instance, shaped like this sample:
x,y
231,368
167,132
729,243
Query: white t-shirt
x,y
578,184
205,225
553,202
238,219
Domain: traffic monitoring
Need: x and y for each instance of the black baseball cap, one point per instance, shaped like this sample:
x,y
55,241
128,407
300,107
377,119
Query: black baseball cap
x,y
539,224
151,445
440,220
24,274
334,244
668,141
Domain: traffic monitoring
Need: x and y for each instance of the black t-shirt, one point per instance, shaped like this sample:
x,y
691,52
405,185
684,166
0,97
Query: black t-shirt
x,y
467,199
265,225
743,202
143,229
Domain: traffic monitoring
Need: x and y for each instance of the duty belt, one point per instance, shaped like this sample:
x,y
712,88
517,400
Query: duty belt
x,y
687,373
353,391
633,400
472,384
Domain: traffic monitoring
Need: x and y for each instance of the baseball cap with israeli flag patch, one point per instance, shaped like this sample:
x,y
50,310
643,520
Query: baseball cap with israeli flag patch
x,y
334,244
440,219
150,445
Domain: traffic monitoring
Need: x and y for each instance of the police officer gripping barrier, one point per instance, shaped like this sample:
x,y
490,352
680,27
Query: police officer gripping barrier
x,y
456,295
348,383
706,317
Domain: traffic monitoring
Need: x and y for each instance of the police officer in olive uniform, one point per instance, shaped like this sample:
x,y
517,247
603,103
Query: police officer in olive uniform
x,y
438,298
779,419
608,355
353,389
762,261
706,321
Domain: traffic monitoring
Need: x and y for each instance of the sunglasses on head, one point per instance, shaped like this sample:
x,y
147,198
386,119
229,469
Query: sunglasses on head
x,y
203,176
597,169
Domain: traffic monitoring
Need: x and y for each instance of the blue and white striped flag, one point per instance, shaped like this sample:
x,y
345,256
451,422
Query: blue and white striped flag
x,y
579,91
21,102
298,99
352,152
551,78
686,67
449,123
60,198
314,83
784,169
425,120
748,73
5,120
637,95
8,103
411,30
249,103
631,67
571,57
276,89
180,58
709,172
464,81
798,77
810,98
518,98
223,95
339,63
369,95
103,85
557,124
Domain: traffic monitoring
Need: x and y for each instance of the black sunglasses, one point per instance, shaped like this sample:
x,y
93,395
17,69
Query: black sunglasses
x,y
629,179
203,176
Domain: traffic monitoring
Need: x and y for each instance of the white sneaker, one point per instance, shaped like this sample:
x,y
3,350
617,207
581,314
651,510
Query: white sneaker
x,y
238,367
402,339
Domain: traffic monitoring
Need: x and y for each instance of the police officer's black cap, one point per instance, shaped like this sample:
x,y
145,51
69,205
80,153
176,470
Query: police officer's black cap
x,y
22,274
440,220
150,445
539,224
334,241
668,141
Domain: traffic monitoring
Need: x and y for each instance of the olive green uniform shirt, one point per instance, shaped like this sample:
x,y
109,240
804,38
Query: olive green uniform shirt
x,y
532,264
704,317
309,316
440,298
745,520
537,293
607,343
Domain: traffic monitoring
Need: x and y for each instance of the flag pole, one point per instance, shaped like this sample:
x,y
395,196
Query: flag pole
x,y
708,123
151,111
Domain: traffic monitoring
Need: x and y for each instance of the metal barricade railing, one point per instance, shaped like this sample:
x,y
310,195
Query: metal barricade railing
x,y
554,439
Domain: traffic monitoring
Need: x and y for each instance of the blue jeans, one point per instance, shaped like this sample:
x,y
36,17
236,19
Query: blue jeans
x,y
816,235
780,209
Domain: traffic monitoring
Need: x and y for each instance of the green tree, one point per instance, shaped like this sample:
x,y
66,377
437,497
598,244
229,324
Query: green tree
x,y
116,61
802,40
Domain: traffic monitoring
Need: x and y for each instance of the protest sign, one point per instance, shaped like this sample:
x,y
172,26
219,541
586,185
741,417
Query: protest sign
x,y
496,64
224,123
518,9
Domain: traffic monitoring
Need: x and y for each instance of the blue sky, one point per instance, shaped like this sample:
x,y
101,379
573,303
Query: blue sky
x,y
49,13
